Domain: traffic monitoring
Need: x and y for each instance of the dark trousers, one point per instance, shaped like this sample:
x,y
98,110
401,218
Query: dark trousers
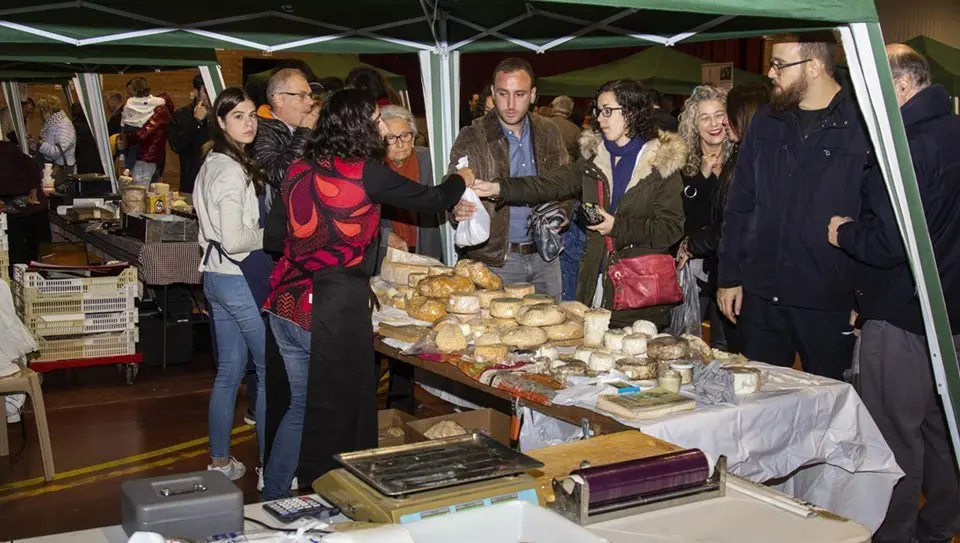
x,y
25,233
774,334
724,334
896,385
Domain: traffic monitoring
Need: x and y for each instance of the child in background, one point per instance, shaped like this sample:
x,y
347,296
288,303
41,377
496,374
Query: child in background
x,y
137,112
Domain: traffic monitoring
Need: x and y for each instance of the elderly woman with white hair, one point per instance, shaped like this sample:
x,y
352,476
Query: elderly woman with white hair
x,y
402,229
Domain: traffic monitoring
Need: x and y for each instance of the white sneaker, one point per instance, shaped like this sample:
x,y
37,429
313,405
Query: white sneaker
x,y
293,486
13,407
234,470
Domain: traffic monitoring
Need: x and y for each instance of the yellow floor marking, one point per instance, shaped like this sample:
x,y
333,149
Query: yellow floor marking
x,y
122,461
159,463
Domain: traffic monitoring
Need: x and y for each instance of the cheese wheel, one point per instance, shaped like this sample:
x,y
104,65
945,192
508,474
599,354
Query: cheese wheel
x,y
451,339
596,322
519,290
601,362
634,344
493,353
571,368
442,286
426,309
505,308
613,340
745,380
490,337
637,368
463,304
583,354
646,328
399,301
414,279
534,299
697,347
481,276
504,324
570,329
524,337
407,292
462,268
548,352
539,315
487,296
439,270
666,348
574,310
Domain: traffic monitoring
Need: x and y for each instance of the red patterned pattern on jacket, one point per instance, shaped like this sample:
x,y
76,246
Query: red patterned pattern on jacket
x,y
330,222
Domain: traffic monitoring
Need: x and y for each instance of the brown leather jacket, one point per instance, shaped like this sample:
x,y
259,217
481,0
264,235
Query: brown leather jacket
x,y
489,155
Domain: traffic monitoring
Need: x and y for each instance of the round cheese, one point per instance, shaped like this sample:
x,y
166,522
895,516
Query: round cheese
x,y
570,369
493,353
646,328
583,354
451,339
534,299
451,320
487,296
634,344
481,276
666,348
548,352
519,290
698,347
574,310
524,337
399,301
505,308
539,315
462,267
490,337
504,324
568,330
463,304
613,340
601,362
442,286
407,292
637,368
426,309
596,322
414,279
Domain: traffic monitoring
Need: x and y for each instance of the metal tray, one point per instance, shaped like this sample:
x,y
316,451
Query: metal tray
x,y
440,463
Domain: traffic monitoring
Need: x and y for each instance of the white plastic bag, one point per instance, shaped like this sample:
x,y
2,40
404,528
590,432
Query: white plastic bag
x,y
476,229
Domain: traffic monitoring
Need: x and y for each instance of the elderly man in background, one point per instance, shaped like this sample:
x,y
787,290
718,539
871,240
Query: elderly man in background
x,y
896,379
402,229
562,108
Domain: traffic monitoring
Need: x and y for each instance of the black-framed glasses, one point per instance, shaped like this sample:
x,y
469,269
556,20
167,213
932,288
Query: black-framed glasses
x,y
779,66
405,137
300,95
605,111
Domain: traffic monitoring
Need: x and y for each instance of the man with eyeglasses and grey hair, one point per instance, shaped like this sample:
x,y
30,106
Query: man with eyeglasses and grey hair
x,y
804,159
896,376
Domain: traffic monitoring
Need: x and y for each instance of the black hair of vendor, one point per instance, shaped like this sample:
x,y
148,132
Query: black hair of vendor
x,y
346,128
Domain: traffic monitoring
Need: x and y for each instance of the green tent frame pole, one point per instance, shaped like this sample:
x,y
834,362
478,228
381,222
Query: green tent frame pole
x,y
441,90
11,93
863,43
212,81
90,91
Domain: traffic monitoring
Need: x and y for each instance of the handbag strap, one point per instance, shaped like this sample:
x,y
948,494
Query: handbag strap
x,y
608,241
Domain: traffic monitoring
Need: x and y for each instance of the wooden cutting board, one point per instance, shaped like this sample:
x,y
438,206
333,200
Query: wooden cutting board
x,y
560,460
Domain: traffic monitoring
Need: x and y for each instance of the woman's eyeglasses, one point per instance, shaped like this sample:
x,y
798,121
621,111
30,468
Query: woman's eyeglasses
x,y
405,137
605,111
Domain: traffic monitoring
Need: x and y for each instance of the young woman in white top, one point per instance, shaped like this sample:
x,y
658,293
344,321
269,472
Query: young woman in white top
x,y
225,197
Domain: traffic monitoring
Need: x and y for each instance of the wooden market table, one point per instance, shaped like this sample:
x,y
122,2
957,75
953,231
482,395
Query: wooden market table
x,y
600,424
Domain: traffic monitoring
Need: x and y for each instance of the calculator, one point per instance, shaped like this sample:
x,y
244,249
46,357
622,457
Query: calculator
x,y
291,509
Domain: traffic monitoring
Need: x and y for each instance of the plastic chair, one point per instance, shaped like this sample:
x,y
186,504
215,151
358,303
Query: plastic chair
x,y
28,381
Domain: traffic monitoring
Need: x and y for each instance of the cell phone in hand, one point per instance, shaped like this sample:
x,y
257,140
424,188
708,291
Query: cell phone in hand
x,y
591,214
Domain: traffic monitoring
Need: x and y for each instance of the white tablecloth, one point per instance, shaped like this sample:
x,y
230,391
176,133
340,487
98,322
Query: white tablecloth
x,y
812,431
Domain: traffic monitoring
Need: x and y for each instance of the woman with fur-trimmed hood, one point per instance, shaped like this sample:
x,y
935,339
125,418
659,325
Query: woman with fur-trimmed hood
x,y
639,169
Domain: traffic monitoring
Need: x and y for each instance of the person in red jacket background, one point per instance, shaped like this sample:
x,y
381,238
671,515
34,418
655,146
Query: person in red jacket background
x,y
145,120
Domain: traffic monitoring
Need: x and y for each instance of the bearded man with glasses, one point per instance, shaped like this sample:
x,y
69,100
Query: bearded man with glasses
x,y
805,159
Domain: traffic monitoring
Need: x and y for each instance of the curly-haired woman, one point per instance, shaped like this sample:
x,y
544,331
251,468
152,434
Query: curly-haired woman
x,y
320,299
632,172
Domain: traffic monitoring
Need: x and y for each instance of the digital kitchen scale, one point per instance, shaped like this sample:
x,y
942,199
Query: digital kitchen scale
x,y
406,483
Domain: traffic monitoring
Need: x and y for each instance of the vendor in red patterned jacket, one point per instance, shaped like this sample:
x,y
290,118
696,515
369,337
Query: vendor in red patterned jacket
x,y
320,299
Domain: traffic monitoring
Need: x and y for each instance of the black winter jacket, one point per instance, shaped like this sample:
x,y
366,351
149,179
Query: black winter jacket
x,y
704,242
885,286
187,136
786,186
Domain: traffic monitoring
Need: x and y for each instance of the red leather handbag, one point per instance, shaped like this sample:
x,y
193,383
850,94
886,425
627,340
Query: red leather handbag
x,y
641,281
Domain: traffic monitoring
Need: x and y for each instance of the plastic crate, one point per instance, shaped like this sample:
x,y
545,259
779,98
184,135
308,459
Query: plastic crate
x,y
3,221
79,323
55,288
31,304
96,346
5,266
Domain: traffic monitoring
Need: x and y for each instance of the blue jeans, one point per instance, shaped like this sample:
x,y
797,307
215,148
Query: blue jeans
x,y
294,345
240,330
574,239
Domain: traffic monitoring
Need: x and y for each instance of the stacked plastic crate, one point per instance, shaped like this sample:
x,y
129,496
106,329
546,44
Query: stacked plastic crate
x,y
4,249
77,318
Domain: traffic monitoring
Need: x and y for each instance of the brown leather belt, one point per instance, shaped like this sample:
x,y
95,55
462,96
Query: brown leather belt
x,y
523,248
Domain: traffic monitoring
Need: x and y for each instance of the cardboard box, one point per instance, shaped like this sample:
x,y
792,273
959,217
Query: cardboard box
x,y
489,421
394,418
